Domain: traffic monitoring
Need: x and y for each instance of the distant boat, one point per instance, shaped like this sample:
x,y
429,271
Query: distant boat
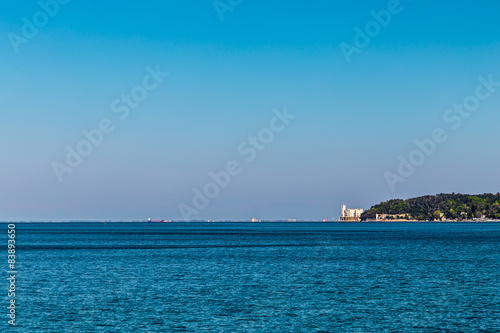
x,y
158,221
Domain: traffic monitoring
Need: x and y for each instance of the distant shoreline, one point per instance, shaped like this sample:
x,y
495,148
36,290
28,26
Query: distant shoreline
x,y
256,223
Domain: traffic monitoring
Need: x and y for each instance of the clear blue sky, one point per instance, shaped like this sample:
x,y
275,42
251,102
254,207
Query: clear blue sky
x,y
353,120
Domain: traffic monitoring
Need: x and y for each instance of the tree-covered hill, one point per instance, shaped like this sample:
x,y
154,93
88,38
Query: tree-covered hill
x,y
430,207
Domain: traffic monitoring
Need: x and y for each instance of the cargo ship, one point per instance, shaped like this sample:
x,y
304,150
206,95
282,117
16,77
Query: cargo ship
x,y
158,221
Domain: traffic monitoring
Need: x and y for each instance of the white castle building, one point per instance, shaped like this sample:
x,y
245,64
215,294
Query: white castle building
x,y
351,215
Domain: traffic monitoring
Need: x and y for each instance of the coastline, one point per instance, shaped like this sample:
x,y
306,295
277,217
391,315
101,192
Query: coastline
x,y
250,222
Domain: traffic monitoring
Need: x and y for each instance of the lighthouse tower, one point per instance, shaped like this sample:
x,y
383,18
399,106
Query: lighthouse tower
x,y
343,212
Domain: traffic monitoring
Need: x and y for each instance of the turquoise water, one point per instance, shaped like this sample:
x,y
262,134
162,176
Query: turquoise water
x,y
261,277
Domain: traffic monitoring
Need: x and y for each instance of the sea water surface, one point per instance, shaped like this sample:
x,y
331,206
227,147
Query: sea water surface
x,y
255,277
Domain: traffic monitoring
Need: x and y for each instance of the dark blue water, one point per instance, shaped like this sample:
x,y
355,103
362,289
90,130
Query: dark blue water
x,y
261,277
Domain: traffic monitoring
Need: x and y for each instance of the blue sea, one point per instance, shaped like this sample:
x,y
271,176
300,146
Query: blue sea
x,y
255,277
